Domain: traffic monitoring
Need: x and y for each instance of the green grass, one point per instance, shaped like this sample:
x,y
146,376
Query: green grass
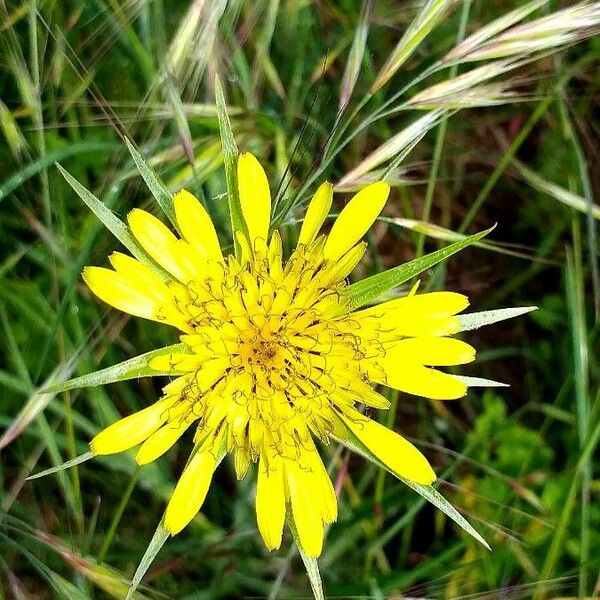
x,y
77,78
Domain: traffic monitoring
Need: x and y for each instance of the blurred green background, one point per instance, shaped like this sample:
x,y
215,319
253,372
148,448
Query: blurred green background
x,y
519,462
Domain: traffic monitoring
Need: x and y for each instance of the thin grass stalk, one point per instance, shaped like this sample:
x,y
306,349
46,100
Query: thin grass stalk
x,y
441,136
116,518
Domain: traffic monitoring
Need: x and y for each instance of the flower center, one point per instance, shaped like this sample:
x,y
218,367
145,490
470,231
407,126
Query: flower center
x,y
261,350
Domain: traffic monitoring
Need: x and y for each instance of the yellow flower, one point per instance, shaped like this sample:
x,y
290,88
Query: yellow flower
x,y
273,358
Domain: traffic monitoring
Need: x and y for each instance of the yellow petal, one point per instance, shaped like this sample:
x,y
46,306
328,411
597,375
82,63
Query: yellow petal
x,y
160,441
355,219
432,351
305,511
139,275
122,293
323,490
156,239
255,196
397,453
346,263
433,304
419,315
131,430
270,501
190,491
420,381
196,225
316,213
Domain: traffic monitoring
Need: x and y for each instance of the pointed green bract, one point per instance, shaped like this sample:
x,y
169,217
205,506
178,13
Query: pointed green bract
x,y
426,491
129,369
230,157
156,187
487,317
111,221
156,543
66,465
371,288
480,381
434,497
310,564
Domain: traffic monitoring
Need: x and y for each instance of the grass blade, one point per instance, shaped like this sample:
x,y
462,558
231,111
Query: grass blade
x,y
12,183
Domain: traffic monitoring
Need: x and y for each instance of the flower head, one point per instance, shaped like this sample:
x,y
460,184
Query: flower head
x,y
273,357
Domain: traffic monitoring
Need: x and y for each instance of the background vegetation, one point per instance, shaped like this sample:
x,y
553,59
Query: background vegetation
x,y
76,76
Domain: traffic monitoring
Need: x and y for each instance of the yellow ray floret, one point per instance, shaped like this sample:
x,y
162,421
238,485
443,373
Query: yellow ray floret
x,y
271,356
196,225
355,219
316,213
395,452
255,196
270,500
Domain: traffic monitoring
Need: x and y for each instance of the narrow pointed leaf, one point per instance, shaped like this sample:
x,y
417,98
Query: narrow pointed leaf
x,y
480,382
156,187
156,543
129,369
230,157
348,439
487,317
371,288
66,465
434,497
110,221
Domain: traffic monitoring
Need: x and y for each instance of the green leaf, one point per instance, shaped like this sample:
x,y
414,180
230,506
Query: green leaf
x,y
129,369
426,491
156,543
369,289
310,564
230,157
66,465
158,189
487,317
